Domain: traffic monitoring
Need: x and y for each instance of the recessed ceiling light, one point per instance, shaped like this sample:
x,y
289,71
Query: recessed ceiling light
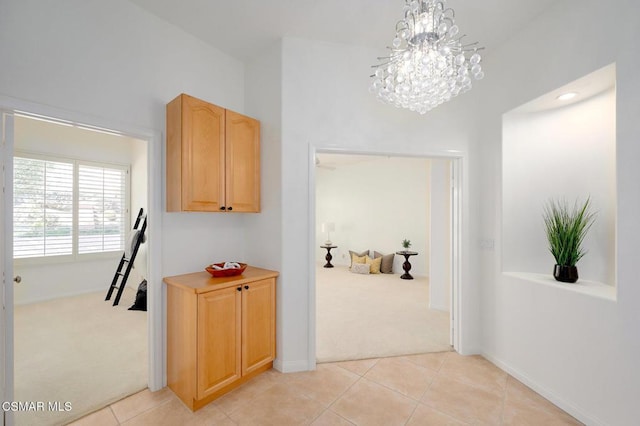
x,y
566,96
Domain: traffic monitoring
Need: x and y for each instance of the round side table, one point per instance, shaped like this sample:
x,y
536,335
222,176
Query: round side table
x,y
328,257
406,265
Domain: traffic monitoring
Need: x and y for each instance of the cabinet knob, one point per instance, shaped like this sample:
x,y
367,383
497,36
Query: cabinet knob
x,y
239,288
230,208
246,287
223,208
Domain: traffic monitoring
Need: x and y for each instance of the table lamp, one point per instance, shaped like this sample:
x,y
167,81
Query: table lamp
x,y
328,227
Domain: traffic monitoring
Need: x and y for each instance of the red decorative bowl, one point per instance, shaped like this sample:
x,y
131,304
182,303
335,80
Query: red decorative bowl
x,y
217,273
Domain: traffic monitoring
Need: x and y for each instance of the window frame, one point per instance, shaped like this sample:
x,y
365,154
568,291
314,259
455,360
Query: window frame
x,y
75,256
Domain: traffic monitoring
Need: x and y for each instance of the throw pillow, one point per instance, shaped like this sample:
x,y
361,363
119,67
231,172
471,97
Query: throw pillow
x,y
357,259
386,267
360,268
351,253
374,264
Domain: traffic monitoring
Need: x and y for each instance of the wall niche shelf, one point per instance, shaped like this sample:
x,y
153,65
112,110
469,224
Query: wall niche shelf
x,y
562,150
586,287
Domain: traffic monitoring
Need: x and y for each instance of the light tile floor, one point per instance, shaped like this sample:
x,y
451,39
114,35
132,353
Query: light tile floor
x,y
430,389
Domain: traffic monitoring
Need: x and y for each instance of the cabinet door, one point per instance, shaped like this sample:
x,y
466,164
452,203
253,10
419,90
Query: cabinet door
x,y
219,334
243,163
203,156
258,324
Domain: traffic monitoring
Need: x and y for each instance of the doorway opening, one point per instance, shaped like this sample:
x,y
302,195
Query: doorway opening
x,y
371,203
59,301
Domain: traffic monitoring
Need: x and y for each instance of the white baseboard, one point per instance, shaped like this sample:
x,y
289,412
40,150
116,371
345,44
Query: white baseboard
x,y
565,405
437,307
291,366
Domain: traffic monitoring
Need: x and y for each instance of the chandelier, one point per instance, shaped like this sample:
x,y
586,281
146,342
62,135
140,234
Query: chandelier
x,y
428,64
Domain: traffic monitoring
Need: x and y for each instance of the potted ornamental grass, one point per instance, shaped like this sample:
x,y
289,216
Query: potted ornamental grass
x,y
566,228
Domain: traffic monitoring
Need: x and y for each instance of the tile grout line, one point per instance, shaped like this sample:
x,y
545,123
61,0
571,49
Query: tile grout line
x,y
313,419
504,398
343,393
437,374
347,390
149,409
444,361
332,412
307,395
435,370
475,384
275,382
425,392
325,408
429,387
113,413
228,417
391,389
416,401
400,393
411,415
346,420
368,369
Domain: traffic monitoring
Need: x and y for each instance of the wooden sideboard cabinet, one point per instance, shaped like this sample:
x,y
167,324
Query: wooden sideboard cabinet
x,y
213,158
220,332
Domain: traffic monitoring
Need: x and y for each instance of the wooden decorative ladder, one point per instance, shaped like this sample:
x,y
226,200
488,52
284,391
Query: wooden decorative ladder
x,y
118,283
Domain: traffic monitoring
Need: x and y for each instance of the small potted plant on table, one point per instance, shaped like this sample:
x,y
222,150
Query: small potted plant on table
x,y
566,229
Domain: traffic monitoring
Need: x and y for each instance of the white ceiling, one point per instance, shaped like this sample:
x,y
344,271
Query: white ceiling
x,y
242,28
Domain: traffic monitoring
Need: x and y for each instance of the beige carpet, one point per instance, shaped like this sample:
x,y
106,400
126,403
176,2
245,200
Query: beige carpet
x,y
370,316
79,350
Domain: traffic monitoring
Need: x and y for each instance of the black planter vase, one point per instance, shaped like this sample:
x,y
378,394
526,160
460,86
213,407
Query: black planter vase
x,y
565,273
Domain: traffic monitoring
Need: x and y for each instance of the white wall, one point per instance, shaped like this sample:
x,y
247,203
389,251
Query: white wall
x,y
263,101
571,152
578,350
375,204
263,236
42,137
122,65
440,232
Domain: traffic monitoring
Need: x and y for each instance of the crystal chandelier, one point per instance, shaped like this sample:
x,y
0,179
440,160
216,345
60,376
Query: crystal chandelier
x,y
428,63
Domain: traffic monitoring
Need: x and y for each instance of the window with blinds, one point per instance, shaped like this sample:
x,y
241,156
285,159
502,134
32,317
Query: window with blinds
x,y
42,208
69,207
101,208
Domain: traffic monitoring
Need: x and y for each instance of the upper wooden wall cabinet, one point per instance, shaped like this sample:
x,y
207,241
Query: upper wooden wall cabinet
x,y
213,158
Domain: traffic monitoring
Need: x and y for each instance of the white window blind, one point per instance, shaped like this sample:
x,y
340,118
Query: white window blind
x,y
42,208
68,207
101,209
